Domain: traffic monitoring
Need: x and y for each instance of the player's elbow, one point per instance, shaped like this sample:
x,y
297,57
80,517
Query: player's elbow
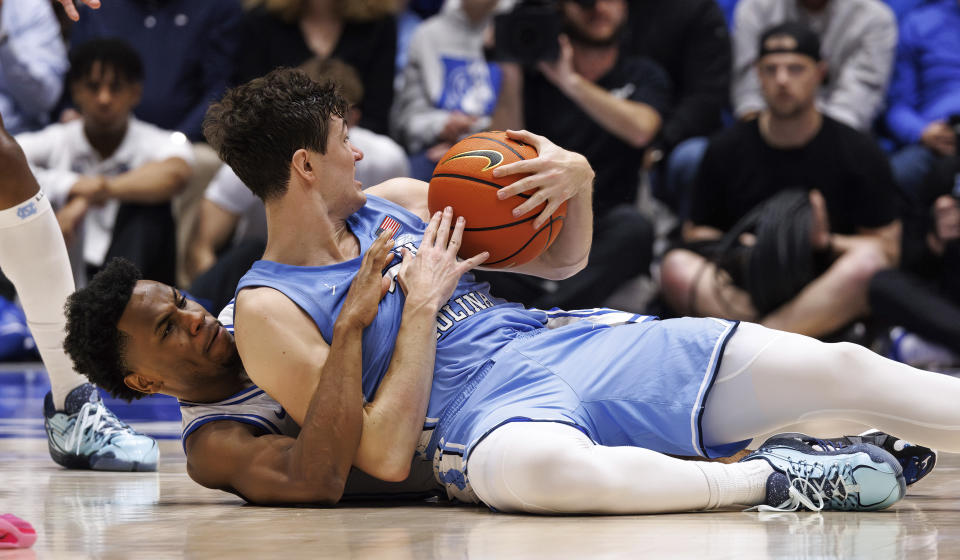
x,y
392,468
563,270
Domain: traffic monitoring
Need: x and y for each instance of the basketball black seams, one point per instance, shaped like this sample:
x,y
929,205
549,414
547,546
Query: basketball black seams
x,y
529,241
475,180
518,222
504,144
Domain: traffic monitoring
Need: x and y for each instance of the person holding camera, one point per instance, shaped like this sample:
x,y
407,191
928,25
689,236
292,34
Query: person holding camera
x,y
595,100
791,199
924,96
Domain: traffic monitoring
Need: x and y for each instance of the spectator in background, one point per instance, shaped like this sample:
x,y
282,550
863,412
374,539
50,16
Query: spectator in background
x,y
230,231
859,38
110,175
689,39
290,32
187,47
925,93
32,63
827,249
923,298
608,106
448,89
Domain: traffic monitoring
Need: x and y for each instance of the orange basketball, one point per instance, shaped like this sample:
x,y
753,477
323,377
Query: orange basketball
x,y
464,180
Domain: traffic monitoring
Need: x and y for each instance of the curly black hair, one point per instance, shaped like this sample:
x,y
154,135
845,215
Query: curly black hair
x,y
116,54
257,127
93,340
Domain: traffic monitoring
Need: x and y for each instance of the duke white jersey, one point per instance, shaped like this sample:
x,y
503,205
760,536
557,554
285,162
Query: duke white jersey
x,y
251,406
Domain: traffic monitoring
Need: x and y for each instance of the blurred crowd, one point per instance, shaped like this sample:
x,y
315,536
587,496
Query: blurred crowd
x,y
788,162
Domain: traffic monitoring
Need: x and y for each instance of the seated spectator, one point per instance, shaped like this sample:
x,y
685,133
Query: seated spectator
x,y
448,89
689,39
859,38
110,175
290,32
923,298
607,106
32,63
187,47
230,230
832,221
925,92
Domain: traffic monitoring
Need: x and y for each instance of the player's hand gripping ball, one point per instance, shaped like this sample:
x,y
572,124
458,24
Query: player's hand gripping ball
x,y
464,180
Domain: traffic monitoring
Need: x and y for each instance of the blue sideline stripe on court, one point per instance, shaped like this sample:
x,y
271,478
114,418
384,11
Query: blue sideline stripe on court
x,y
23,386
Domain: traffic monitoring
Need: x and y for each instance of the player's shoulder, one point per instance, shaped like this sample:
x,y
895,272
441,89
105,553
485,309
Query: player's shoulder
x,y
409,193
262,301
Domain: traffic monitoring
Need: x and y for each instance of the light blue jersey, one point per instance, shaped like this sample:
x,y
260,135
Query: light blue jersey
x,y
622,379
471,327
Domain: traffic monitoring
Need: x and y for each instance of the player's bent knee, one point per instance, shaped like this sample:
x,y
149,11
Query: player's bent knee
x,y
677,273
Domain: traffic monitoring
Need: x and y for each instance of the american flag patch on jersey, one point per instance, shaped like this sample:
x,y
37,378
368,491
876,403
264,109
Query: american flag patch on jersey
x,y
388,224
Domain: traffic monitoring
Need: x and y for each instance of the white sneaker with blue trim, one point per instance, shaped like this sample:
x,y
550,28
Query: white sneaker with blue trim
x,y
87,435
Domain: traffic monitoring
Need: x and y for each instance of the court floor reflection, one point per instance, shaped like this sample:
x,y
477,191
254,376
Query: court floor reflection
x,y
165,515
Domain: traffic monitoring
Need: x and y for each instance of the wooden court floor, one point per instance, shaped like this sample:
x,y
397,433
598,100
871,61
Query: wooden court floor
x,y
165,515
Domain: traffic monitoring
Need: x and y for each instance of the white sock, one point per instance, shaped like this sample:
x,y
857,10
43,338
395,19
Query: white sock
x,y
34,257
737,483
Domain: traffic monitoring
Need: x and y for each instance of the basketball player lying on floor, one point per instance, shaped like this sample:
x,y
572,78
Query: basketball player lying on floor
x,y
575,419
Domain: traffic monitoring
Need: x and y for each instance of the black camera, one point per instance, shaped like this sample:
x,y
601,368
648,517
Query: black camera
x,y
528,33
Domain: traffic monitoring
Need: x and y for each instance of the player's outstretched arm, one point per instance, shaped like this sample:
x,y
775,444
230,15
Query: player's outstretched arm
x,y
556,175
318,385
393,421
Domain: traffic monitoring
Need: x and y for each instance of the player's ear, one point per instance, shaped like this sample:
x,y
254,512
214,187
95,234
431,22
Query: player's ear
x,y
300,165
142,384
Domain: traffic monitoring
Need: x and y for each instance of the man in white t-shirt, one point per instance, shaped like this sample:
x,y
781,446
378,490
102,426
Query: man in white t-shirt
x,y
110,176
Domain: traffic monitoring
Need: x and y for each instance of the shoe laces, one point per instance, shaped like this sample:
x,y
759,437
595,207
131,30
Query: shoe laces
x,y
815,491
94,421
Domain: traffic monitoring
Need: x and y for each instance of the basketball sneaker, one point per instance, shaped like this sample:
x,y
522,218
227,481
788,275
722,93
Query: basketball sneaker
x,y
86,435
917,461
857,477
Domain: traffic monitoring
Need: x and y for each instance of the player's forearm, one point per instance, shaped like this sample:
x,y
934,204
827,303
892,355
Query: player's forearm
x,y
634,123
151,183
329,437
392,423
570,251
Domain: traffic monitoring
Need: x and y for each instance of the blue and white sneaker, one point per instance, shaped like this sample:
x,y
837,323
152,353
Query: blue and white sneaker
x,y
86,435
917,461
859,477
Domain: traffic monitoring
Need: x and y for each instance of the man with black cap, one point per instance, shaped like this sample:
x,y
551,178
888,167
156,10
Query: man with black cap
x,y
828,222
859,39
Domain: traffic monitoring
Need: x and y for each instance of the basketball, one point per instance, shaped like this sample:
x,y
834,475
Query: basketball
x,y
463,179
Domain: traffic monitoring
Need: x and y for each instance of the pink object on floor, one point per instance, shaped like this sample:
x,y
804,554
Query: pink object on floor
x,y
15,532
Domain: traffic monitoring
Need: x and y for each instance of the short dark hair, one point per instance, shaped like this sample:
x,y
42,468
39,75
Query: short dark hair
x,y
257,127
93,340
113,53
